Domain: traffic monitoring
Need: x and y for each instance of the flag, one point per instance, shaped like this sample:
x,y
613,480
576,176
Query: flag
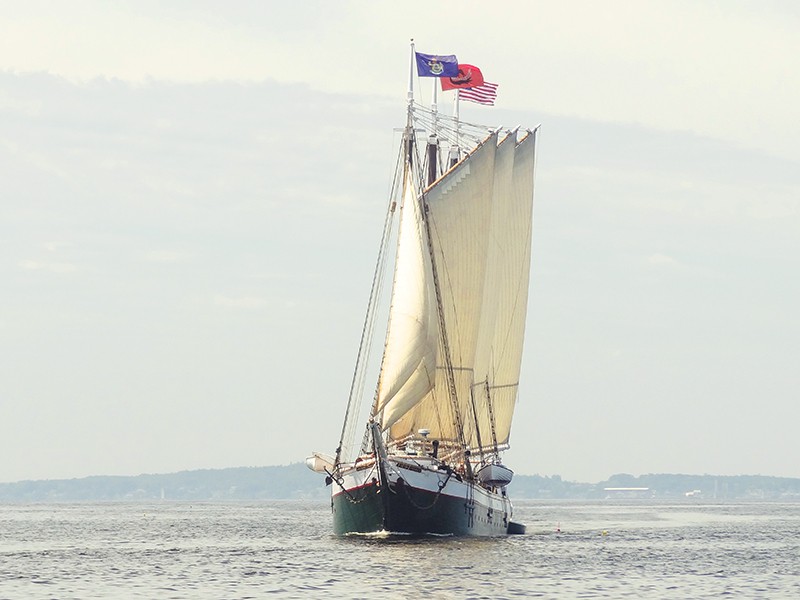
x,y
468,76
434,65
483,94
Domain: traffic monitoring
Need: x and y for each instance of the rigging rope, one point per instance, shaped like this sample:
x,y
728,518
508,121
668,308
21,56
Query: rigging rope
x,y
359,372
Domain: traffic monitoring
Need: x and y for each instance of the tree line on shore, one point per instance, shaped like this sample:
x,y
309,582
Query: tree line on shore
x,y
292,482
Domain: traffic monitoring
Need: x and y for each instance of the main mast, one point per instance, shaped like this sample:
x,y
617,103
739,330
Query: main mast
x,y
408,133
419,175
429,178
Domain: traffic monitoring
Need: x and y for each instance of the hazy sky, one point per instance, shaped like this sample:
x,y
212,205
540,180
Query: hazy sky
x,y
191,198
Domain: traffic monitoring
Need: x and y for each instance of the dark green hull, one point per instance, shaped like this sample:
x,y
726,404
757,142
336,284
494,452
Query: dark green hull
x,y
407,510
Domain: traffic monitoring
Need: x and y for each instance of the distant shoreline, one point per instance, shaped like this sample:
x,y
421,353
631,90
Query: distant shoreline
x,y
297,482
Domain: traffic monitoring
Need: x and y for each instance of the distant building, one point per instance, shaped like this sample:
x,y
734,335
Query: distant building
x,y
628,492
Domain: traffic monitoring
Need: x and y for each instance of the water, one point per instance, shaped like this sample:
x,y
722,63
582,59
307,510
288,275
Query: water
x,y
285,550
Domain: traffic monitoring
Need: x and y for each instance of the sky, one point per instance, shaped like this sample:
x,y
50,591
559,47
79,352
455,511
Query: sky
x,y
191,198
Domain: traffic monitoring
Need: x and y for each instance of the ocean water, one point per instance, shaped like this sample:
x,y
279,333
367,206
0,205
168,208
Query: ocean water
x,y
634,549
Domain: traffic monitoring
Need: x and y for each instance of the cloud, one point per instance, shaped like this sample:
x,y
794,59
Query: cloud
x,y
680,65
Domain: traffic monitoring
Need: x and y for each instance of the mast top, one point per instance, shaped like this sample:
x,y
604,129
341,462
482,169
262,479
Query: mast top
x,y
411,77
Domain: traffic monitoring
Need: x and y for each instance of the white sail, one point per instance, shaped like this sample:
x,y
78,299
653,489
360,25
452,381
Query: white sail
x,y
481,224
506,300
459,209
495,286
409,362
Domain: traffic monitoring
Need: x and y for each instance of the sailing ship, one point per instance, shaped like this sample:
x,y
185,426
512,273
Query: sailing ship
x,y
424,456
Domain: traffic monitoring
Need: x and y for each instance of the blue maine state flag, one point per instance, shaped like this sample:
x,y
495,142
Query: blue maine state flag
x,y
437,65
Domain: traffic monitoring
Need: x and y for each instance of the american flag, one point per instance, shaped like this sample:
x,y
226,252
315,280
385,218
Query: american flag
x,y
483,94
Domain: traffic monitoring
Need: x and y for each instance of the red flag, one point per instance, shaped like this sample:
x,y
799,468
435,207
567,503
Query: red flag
x,y
468,76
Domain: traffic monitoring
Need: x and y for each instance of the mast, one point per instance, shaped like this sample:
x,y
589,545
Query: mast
x,y
431,176
432,159
453,156
359,372
432,149
411,76
408,134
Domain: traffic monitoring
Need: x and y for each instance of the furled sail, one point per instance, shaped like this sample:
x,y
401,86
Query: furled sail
x,y
409,361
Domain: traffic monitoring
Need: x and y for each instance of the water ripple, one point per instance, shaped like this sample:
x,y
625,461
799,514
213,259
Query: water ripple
x,y
285,550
